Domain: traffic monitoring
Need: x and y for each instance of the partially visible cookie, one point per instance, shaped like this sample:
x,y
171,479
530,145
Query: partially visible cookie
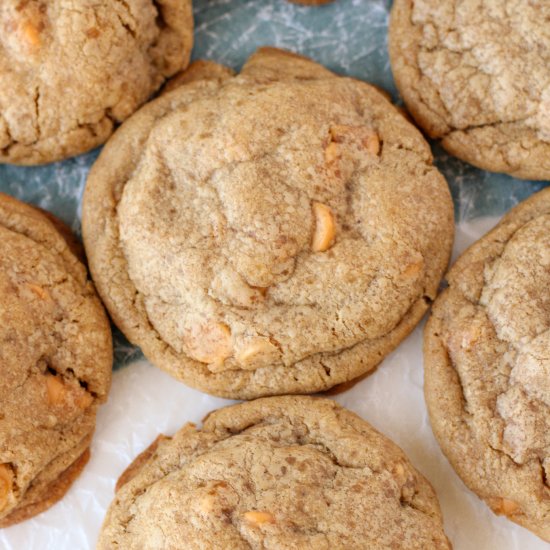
x,y
487,366
476,75
280,472
55,362
71,70
279,231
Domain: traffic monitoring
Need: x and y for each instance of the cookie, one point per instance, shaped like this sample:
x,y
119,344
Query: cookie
x,y
476,75
279,472
71,70
279,231
201,69
487,366
55,358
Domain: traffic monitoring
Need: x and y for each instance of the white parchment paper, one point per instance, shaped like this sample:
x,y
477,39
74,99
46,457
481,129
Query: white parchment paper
x,y
145,401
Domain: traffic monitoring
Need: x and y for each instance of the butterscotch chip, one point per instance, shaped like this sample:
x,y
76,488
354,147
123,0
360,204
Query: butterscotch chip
x,y
60,393
487,366
6,477
41,292
257,353
296,207
209,343
412,270
56,390
55,356
362,136
72,70
332,152
31,33
476,76
345,142
258,518
507,507
83,399
279,472
372,144
325,227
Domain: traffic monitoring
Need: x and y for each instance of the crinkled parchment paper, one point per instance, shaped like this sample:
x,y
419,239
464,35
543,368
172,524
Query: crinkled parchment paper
x,y
349,37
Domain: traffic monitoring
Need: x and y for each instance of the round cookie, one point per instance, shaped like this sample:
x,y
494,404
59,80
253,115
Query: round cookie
x,y
487,366
71,70
476,75
275,232
55,357
279,472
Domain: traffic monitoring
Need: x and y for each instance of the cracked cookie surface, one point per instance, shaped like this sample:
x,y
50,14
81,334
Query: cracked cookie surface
x,y
487,366
55,357
279,472
279,231
476,75
71,70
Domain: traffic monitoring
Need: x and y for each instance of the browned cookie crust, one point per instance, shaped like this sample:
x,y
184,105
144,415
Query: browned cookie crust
x,y
487,366
279,231
55,360
476,75
71,70
280,472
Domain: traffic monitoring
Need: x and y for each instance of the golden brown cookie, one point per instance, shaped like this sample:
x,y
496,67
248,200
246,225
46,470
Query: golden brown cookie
x,y
487,366
279,231
279,472
55,360
71,70
476,75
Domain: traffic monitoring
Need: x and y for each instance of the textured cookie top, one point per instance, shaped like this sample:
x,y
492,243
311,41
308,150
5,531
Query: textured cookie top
x,y
70,70
488,365
284,472
261,226
55,355
477,75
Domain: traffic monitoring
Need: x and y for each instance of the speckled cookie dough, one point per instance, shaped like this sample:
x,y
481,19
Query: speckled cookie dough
x,y
279,231
55,361
476,75
71,70
280,472
487,366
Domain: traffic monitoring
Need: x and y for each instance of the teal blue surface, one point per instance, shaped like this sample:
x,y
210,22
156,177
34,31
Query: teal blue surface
x,y
348,36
